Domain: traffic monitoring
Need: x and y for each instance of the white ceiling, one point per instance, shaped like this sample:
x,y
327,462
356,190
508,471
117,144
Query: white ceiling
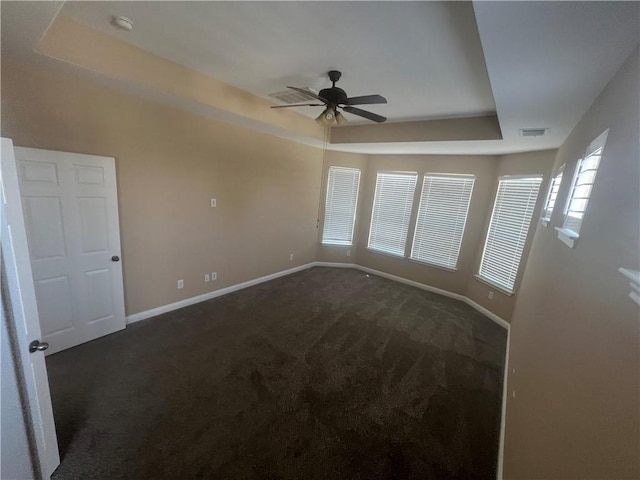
x,y
545,61
424,57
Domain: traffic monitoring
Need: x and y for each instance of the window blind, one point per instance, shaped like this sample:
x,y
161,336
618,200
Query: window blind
x,y
442,214
508,229
340,206
552,196
583,184
392,206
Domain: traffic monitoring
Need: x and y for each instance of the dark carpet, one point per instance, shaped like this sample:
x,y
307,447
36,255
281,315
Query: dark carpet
x,y
323,374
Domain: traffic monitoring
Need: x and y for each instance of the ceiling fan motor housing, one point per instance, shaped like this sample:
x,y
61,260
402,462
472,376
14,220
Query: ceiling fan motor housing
x,y
333,95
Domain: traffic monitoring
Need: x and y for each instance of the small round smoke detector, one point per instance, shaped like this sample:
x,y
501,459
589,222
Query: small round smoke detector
x,y
123,23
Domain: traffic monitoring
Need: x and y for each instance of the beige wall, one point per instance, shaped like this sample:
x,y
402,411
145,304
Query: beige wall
x,y
535,163
486,169
575,333
169,164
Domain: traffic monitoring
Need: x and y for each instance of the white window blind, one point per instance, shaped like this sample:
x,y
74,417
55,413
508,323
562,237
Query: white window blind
x,y
508,230
392,206
340,206
582,185
552,196
442,214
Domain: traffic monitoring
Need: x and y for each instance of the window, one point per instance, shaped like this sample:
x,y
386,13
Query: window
x,y
550,202
442,214
392,206
508,229
340,206
581,190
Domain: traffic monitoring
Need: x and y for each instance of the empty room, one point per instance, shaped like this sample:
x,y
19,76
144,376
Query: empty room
x,y
320,240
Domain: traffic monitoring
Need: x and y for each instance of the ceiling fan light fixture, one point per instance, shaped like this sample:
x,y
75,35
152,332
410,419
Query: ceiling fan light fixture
x,y
340,119
326,118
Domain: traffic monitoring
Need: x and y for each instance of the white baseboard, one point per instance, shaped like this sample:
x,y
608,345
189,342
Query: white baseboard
x,y
503,323
422,286
335,265
456,296
503,416
136,317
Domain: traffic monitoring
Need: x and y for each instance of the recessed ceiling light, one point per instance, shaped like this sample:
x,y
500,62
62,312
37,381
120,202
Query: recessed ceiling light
x,y
123,23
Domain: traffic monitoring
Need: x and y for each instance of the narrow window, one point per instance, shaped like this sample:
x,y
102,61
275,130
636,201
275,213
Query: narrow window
x,y
442,215
392,206
340,206
581,189
508,230
552,196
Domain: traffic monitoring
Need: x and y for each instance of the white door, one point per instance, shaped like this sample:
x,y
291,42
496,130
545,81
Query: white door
x,y
71,217
19,303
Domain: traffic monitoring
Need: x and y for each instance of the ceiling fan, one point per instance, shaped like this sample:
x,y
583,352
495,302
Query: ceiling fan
x,y
334,98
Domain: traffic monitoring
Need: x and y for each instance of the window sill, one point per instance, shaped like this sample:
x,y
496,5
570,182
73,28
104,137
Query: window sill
x,y
568,237
545,221
336,244
634,276
493,285
432,265
382,252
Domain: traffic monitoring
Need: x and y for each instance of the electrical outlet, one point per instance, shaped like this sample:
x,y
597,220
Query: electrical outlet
x,y
207,277
291,257
490,295
348,253
214,275
213,203
180,283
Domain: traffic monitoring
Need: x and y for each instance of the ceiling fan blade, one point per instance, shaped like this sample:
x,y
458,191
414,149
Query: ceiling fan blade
x,y
307,93
363,113
299,105
365,100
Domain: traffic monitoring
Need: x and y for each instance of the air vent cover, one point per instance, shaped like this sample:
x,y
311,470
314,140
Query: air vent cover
x,y
291,96
533,132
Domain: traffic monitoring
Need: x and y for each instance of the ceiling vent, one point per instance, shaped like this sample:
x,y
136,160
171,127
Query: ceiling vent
x,y
533,132
291,96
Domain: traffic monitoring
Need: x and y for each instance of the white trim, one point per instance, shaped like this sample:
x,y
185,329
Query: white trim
x,y
413,283
634,276
332,264
492,316
566,236
136,317
495,286
503,417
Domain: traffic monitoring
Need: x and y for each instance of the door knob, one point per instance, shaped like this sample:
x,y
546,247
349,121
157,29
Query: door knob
x,y
115,258
37,345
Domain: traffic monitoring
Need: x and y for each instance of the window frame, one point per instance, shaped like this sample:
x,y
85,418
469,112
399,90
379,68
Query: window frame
x,y
459,226
509,290
568,234
354,201
409,217
552,195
